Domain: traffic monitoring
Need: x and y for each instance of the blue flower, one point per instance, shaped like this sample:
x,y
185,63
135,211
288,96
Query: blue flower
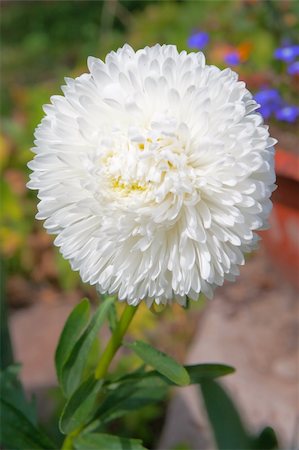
x,y
267,95
287,54
288,113
266,111
232,58
293,69
198,40
269,100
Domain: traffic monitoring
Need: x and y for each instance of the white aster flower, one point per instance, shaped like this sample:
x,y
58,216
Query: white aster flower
x,y
154,170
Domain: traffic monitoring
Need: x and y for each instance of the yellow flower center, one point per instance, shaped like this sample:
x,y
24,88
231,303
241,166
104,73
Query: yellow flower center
x,y
126,188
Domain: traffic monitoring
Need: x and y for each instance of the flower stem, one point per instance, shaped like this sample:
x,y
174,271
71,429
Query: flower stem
x,y
101,370
68,441
115,341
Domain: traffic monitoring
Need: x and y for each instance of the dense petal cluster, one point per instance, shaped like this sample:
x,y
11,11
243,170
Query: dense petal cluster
x,y
154,170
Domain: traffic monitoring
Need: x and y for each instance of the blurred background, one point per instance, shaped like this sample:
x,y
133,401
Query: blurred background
x,y
252,324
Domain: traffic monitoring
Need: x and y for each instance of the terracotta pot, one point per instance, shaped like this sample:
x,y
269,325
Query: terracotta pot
x,y
282,239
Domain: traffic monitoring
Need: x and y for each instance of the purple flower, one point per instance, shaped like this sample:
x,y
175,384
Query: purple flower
x,y
293,69
232,58
288,113
198,40
287,54
266,111
267,95
269,100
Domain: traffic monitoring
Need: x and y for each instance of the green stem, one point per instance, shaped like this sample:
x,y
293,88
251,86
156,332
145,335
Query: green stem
x,y
68,441
101,370
115,341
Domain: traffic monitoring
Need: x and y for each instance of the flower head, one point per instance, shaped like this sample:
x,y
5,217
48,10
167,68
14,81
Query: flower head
x,y
198,40
287,113
269,101
154,171
232,58
287,53
293,69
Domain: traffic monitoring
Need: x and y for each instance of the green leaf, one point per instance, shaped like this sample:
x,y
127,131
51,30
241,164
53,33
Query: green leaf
x,y
97,441
73,328
19,428
112,317
267,440
201,372
6,354
224,418
74,366
18,433
93,358
12,392
163,363
130,396
197,373
81,406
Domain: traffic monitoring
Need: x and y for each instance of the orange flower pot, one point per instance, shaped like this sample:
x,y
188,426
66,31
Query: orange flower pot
x,y
282,239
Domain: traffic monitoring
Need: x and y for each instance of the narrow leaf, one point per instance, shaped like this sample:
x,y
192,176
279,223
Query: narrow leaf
x,y
11,391
130,397
73,328
81,406
163,363
112,317
18,433
98,441
73,368
6,353
19,427
200,372
140,388
197,373
267,440
92,359
225,421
